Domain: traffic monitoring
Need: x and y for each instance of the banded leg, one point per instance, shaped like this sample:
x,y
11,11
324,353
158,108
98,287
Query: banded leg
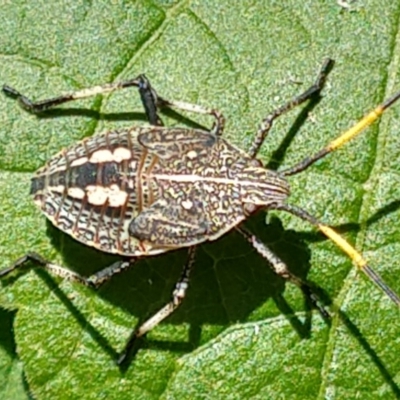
x,y
150,99
280,268
43,105
359,127
266,124
346,247
147,95
178,295
95,280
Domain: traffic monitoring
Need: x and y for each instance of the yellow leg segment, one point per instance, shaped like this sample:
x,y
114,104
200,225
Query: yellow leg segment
x,y
355,256
356,129
366,121
344,245
359,127
359,261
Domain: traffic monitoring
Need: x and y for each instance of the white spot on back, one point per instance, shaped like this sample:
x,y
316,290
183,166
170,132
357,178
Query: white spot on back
x,y
192,154
101,156
57,189
121,153
76,193
97,195
79,161
187,204
117,197
208,188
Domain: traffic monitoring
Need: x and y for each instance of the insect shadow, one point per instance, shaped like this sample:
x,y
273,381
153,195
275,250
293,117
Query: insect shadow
x,y
229,282
55,113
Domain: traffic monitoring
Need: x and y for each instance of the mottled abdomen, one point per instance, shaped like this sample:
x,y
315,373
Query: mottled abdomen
x,y
90,190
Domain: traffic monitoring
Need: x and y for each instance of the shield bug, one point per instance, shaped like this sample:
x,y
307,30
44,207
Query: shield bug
x,y
142,191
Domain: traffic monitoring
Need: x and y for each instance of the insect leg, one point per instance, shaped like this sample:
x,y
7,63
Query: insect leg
x,y
266,124
219,124
280,268
178,295
147,94
347,248
150,100
366,121
42,105
94,280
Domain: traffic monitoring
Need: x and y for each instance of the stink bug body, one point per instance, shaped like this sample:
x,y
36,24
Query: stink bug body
x,y
142,191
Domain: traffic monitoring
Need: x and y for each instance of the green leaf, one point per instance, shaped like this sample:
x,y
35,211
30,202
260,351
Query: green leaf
x,y
241,332
11,377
